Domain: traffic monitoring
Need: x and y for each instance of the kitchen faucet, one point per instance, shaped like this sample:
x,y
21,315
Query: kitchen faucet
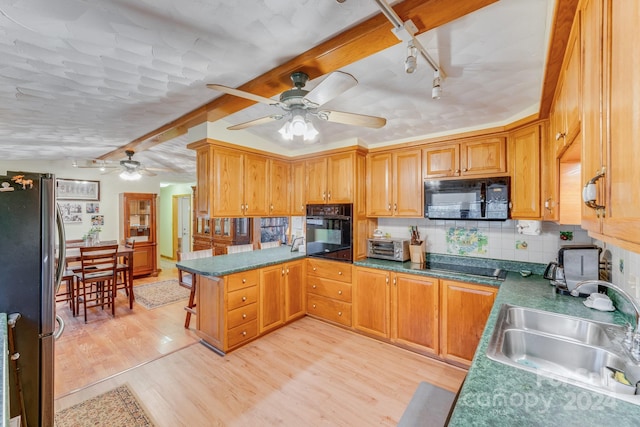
x,y
632,339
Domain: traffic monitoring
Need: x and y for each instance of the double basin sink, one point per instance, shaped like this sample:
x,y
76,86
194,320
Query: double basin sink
x,y
577,351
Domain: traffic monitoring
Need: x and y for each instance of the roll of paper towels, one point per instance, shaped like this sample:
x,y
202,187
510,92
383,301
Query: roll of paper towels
x,y
529,227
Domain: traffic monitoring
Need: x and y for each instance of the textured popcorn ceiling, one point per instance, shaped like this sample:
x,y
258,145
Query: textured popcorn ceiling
x,y
79,78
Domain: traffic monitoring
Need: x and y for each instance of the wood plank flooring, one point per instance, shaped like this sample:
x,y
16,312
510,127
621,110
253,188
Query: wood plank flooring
x,y
306,373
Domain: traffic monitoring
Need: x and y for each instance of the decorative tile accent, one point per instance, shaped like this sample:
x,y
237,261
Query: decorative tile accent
x,y
521,244
566,235
466,241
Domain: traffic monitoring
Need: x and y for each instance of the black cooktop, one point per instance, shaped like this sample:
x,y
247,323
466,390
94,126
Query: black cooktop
x,y
492,273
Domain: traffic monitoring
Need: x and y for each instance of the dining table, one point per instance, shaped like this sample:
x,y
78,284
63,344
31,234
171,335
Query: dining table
x,y
73,255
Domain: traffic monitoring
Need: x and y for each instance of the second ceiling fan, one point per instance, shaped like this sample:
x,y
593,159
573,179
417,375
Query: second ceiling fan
x,y
299,105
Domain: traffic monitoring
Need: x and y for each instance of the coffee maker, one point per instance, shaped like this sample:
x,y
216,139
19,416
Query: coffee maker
x,y
575,264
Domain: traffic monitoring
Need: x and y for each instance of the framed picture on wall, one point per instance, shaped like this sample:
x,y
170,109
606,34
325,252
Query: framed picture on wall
x,y
71,212
72,189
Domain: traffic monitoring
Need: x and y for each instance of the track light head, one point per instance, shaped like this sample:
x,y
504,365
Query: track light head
x,y
411,62
436,91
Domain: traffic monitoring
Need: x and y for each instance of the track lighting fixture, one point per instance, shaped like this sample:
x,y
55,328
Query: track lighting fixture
x,y
411,62
436,91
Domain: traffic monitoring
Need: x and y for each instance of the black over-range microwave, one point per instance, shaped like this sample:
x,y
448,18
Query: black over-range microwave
x,y
473,199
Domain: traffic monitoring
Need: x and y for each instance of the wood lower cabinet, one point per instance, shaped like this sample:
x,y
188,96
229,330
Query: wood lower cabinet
x,y
402,308
281,295
464,309
294,292
329,290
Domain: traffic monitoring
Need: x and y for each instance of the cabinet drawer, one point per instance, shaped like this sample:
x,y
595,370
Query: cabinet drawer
x,y
329,269
242,280
242,333
329,288
329,309
242,297
242,315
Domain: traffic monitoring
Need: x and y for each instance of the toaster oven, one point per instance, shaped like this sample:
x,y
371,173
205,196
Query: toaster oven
x,y
391,249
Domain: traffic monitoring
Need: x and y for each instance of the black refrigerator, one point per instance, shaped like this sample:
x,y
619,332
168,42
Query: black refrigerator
x,y
28,238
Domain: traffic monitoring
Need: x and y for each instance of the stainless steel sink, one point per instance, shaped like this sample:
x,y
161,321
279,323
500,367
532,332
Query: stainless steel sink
x,y
557,324
581,352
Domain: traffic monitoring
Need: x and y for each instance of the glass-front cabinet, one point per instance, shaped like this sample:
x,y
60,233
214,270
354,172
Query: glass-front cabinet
x,y
138,223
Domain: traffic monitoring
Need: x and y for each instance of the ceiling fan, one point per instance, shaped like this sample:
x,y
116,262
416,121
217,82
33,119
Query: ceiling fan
x,y
133,169
299,105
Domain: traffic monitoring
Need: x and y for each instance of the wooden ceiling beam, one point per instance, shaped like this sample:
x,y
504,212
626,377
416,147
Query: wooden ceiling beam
x,y
352,45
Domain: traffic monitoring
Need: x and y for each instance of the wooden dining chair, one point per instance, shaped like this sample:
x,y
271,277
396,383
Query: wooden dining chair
x,y
234,249
187,280
97,278
122,270
267,245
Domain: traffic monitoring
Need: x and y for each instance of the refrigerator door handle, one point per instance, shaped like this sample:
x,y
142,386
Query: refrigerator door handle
x,y
57,333
62,256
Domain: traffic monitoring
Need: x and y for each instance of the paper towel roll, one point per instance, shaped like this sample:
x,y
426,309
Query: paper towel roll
x,y
529,227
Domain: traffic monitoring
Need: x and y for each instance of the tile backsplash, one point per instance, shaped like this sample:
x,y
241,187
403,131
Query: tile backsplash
x,y
488,239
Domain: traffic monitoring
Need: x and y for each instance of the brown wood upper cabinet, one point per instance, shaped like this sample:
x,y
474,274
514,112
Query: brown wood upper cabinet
x,y
331,179
524,156
298,183
138,222
394,184
483,157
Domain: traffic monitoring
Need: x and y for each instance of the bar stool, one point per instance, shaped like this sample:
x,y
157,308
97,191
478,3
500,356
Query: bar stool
x,y
187,280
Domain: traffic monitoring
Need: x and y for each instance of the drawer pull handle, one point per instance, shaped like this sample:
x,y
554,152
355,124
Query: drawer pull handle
x,y
339,313
244,299
244,316
339,292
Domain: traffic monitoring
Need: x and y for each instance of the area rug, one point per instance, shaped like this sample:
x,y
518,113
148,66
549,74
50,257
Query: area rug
x,y
157,294
115,408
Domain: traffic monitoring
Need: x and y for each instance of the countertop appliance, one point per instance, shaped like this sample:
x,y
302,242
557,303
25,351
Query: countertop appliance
x,y
391,249
27,286
475,199
576,263
329,231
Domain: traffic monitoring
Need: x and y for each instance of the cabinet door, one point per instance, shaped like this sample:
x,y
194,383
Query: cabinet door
x,y
203,179
271,313
484,157
549,180
256,185
379,194
316,179
340,178
371,302
415,312
209,321
592,159
571,87
441,161
228,183
407,185
524,152
144,259
279,173
298,198
622,219
464,311
294,291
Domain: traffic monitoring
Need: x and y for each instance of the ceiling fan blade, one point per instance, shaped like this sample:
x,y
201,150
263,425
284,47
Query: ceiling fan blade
x,y
146,172
256,122
335,83
243,94
352,119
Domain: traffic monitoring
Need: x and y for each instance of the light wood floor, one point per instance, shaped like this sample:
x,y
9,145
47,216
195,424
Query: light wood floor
x,y
306,373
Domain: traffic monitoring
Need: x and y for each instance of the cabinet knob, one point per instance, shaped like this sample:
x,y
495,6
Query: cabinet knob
x,y
314,306
314,269
314,286
464,170
244,315
329,195
339,313
271,207
246,208
457,171
339,273
339,292
244,280
244,333
389,207
560,135
287,270
323,195
395,207
244,299
283,271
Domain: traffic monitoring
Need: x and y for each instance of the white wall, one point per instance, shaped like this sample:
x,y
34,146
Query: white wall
x,y
111,185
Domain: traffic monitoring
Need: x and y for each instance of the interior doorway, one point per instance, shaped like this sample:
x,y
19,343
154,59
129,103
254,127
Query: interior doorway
x,y
181,224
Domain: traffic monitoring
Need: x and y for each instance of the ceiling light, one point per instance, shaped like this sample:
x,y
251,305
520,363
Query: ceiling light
x,y
436,91
298,125
130,175
411,63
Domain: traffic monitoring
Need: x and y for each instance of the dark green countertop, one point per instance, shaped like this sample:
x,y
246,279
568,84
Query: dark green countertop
x,y
495,394
221,265
4,371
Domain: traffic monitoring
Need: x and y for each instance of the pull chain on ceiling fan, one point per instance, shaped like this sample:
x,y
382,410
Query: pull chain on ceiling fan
x,y
301,105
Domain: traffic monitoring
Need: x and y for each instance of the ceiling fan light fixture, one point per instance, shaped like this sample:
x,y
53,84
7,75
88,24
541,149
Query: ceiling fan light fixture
x,y
130,175
310,133
298,124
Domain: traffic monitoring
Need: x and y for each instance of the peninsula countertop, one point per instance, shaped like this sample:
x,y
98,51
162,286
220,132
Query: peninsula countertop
x,y
4,372
222,265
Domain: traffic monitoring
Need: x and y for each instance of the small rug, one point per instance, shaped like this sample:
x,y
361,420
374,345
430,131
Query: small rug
x,y
115,408
158,294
